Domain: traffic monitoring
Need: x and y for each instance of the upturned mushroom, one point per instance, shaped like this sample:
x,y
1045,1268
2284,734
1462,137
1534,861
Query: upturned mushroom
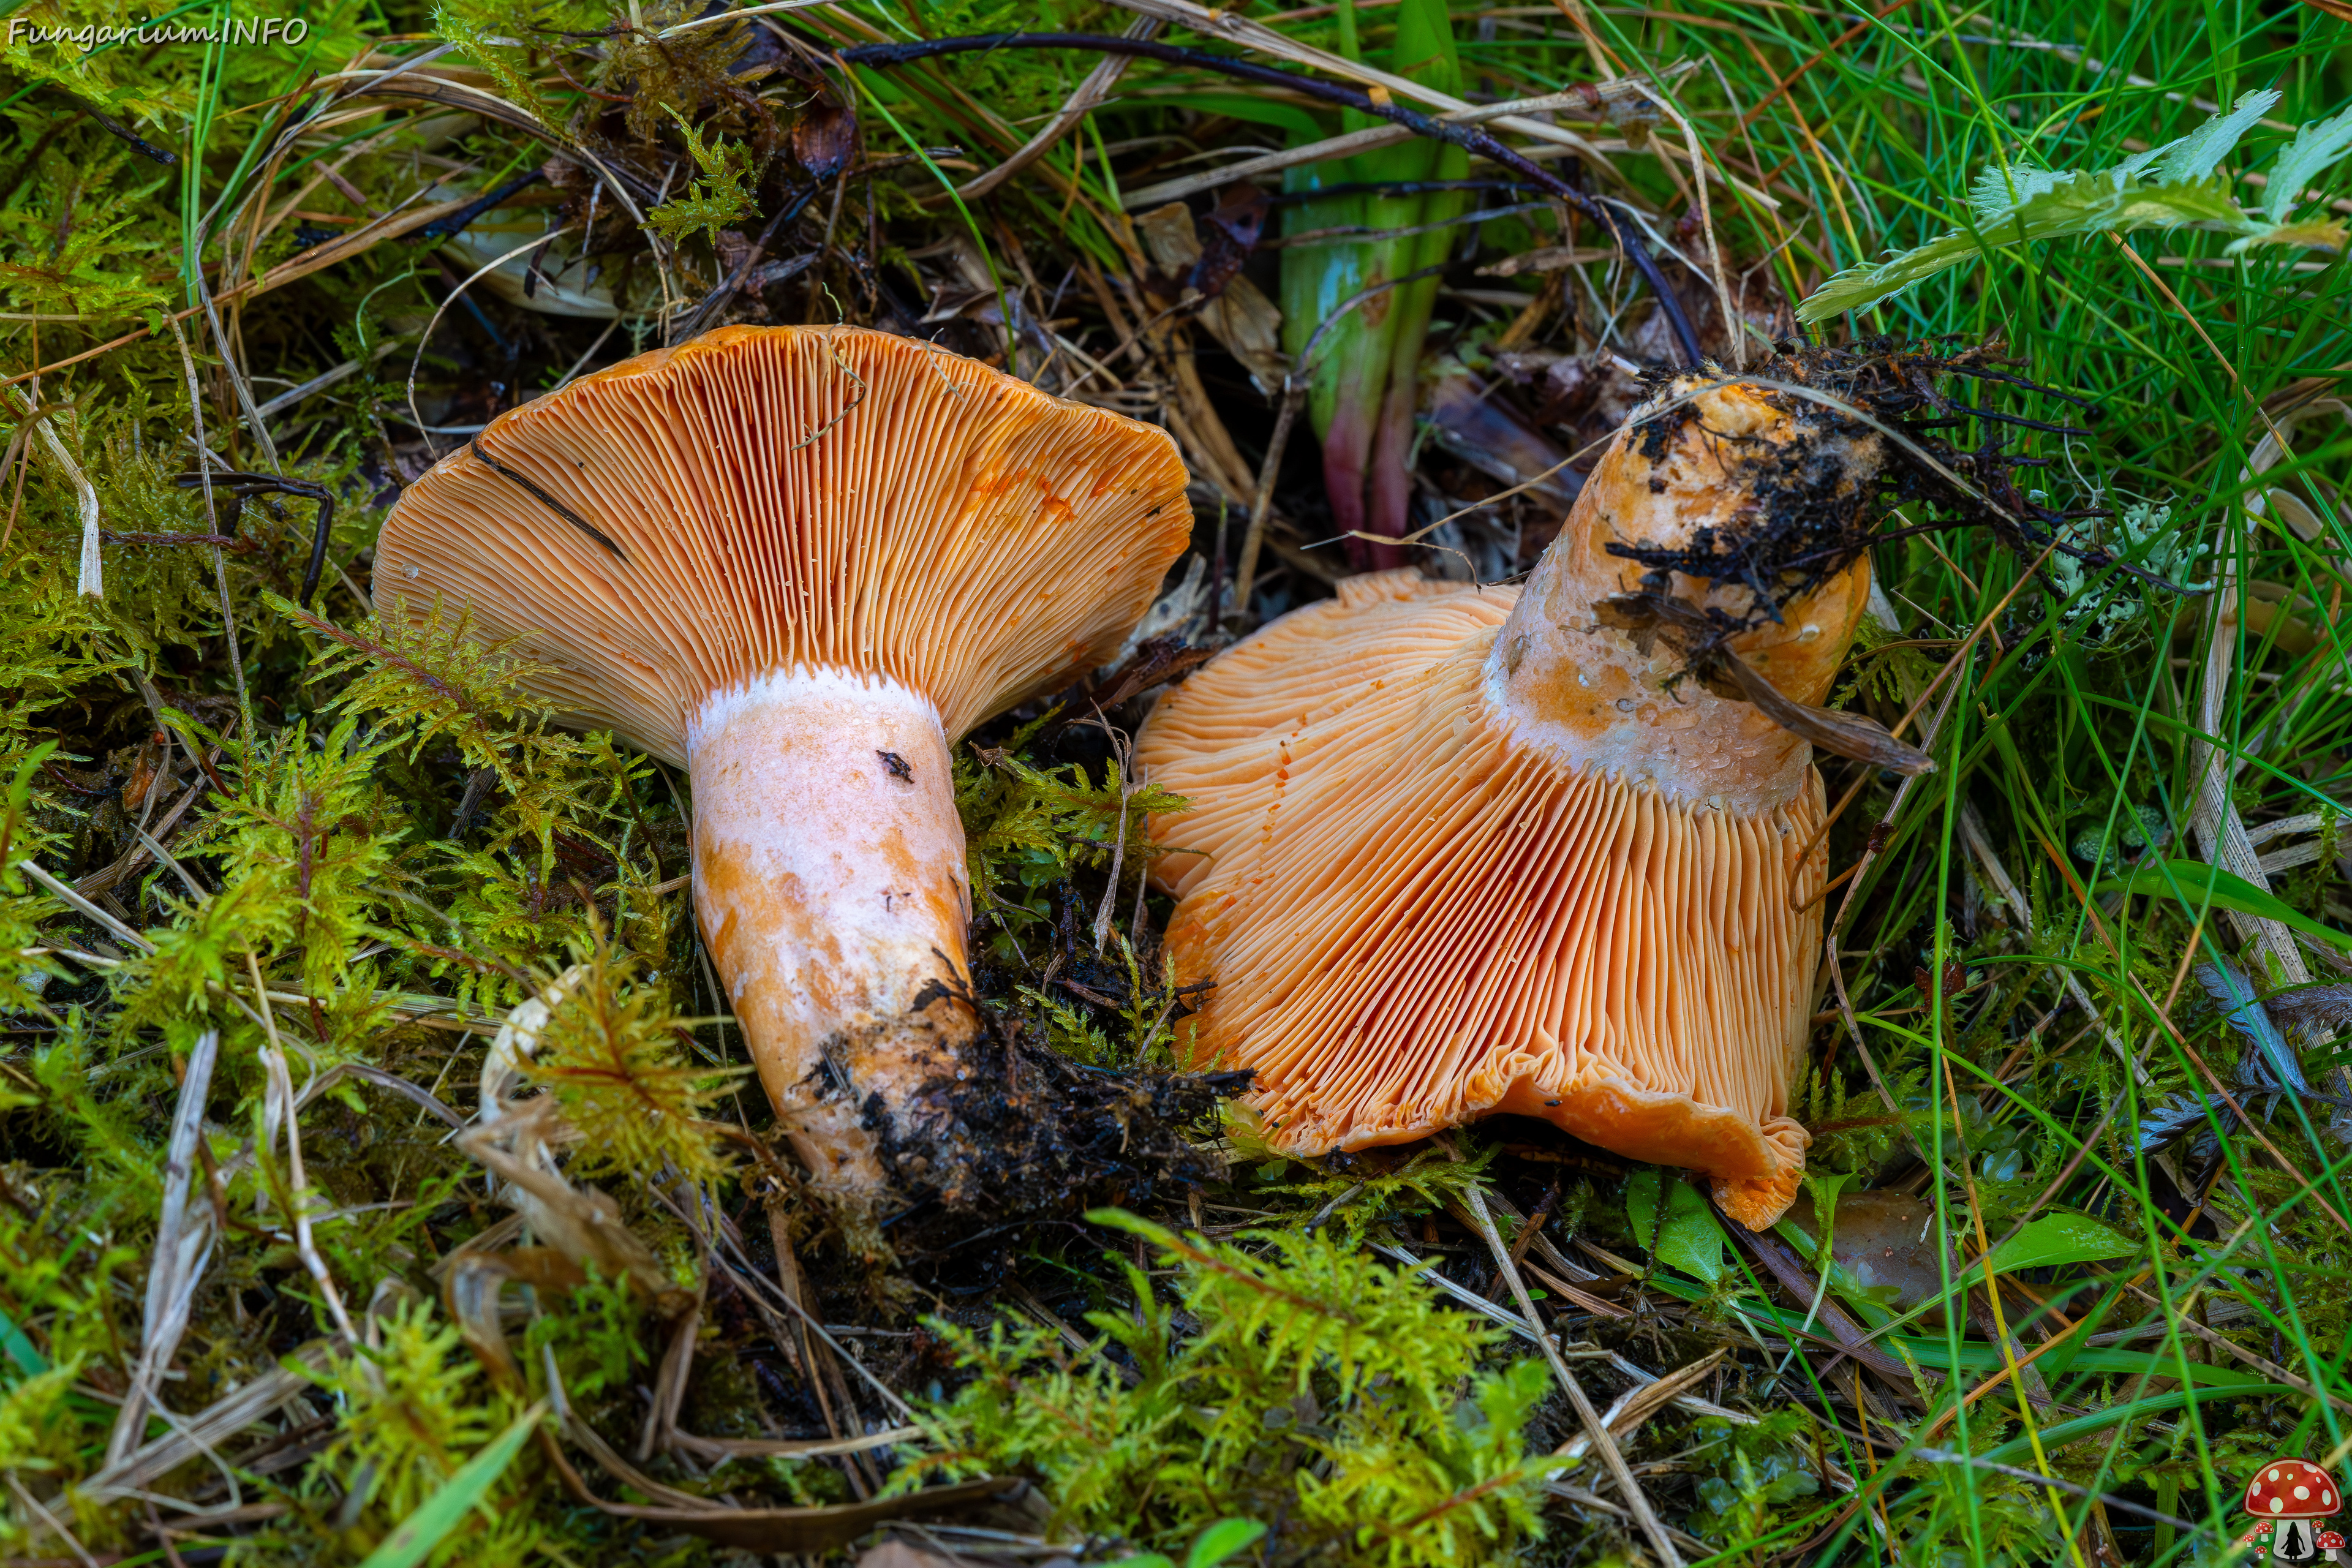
x,y
799,562
1552,851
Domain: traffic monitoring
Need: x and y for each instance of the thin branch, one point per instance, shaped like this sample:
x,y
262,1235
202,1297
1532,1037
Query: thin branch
x,y
1090,92
1254,539
1470,137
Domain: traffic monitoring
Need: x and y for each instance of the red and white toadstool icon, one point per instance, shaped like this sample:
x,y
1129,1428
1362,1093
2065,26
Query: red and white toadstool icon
x,y
2331,1545
2289,1495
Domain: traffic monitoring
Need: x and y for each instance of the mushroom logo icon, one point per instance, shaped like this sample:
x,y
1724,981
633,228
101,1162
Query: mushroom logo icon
x,y
2291,1497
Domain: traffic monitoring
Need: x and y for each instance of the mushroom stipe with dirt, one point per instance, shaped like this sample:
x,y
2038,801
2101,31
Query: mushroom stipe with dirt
x,y
1455,851
799,562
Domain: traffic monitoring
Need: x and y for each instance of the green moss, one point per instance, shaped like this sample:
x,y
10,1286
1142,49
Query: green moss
x,y
611,1056
1307,1381
383,845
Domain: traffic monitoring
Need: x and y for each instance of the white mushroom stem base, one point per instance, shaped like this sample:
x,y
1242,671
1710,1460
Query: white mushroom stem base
x,y
829,879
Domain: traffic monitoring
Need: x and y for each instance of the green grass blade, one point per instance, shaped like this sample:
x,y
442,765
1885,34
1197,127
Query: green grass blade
x,y
2199,883
20,1349
420,1532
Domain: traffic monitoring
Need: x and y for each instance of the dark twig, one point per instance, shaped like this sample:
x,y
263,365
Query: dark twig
x,y
557,506
1981,374
1470,137
443,227
115,128
1997,415
241,486
716,300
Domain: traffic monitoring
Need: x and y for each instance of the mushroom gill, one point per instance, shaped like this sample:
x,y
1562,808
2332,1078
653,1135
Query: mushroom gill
x,y
800,562
1456,851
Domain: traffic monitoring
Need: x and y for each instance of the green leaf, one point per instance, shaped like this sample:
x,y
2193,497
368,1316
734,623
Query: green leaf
x,y
1690,1239
2314,147
1363,381
1824,1187
2107,1360
2050,207
1221,1539
2018,1449
421,1531
2024,203
2059,1238
21,1349
2196,155
2197,883
1999,192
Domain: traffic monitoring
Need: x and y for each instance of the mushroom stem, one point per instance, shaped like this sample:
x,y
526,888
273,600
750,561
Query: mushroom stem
x,y
1624,703
829,879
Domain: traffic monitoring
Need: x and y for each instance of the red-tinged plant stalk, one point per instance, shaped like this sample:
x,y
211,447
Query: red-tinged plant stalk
x,y
1363,384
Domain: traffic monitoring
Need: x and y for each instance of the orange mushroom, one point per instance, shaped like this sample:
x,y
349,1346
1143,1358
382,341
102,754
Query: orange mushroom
x,y
1456,850
799,562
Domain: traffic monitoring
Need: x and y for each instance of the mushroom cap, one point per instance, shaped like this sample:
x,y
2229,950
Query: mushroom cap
x,y
2291,1488
2330,1540
781,498
1414,917
1456,851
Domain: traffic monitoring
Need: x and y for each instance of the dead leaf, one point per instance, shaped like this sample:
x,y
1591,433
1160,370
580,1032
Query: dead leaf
x,y
1249,327
580,1222
1236,311
1855,735
825,137
1883,1240
1482,430
1625,1415
1548,258
1169,238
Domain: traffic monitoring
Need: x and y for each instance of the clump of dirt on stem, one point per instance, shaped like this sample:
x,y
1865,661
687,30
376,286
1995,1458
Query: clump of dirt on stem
x,y
1808,519
1027,1132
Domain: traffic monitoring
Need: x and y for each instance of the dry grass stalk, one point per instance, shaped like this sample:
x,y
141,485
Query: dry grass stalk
x,y
1596,1431
184,1242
